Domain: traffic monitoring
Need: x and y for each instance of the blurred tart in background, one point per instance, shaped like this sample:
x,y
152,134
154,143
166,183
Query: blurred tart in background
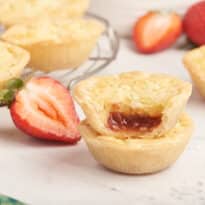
x,y
138,156
18,11
13,60
134,104
194,62
56,43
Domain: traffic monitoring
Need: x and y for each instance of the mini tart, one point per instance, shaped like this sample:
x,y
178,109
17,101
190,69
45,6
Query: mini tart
x,y
138,156
56,44
194,62
19,11
134,104
12,62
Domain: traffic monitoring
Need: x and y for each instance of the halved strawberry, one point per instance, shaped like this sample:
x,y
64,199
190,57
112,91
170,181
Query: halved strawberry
x,y
43,108
156,31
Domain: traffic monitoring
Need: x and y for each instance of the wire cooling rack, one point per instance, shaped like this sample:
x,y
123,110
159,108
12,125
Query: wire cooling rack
x,y
105,52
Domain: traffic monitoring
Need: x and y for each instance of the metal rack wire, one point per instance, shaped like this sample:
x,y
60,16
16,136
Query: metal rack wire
x,y
105,52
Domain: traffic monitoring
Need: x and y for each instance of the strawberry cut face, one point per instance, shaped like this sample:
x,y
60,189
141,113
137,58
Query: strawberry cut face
x,y
156,31
45,109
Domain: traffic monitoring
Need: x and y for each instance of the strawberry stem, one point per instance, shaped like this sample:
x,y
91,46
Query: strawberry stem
x,y
6,97
7,94
15,83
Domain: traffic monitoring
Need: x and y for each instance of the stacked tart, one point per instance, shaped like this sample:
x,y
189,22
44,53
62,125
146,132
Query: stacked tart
x,y
135,122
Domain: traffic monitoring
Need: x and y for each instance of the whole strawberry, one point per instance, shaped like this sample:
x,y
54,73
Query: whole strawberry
x,y
42,108
156,31
194,23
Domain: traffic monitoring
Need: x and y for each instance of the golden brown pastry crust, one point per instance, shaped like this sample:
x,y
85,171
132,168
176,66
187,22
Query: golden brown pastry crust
x,y
19,11
12,62
138,156
194,62
148,94
56,44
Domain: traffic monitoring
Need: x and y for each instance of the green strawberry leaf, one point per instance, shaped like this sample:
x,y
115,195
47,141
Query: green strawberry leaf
x,y
15,84
6,97
4,200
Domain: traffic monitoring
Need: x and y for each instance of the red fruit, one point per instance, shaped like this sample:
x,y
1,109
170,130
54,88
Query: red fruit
x,y
45,109
156,31
194,23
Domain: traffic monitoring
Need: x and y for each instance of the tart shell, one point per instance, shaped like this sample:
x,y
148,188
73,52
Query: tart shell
x,y
49,56
150,94
138,156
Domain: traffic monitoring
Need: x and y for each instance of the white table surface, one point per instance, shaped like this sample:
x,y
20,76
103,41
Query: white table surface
x,y
42,173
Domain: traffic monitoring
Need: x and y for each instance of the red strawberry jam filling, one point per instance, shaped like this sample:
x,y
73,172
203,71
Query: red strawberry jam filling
x,y
118,121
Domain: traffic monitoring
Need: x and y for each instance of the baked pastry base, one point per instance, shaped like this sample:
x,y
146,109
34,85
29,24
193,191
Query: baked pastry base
x,y
49,56
138,156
